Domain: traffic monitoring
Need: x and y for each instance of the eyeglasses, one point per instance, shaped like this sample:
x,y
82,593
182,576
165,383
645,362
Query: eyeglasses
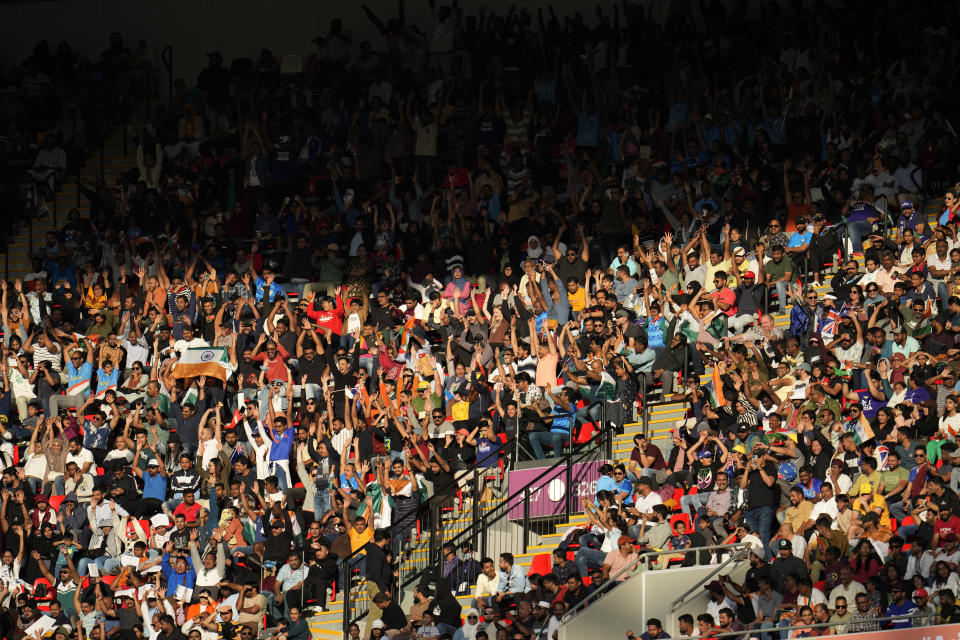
x,y
618,473
774,226
919,455
842,606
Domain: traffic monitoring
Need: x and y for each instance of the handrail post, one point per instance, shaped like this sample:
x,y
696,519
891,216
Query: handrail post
x,y
526,518
102,143
568,502
476,508
645,409
346,598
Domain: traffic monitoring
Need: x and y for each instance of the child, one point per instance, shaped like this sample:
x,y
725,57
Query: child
x,y
679,539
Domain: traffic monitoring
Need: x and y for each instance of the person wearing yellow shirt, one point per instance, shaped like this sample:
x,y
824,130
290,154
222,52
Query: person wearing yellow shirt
x,y
868,476
361,527
870,502
798,513
576,296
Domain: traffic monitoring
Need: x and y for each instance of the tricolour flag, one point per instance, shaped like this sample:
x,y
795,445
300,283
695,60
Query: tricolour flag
x,y
862,431
190,396
608,387
203,361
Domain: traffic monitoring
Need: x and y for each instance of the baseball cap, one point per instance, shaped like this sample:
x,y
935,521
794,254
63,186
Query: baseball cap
x,y
739,251
543,604
377,624
742,450
784,544
750,274
705,453
865,489
906,204
624,540
920,593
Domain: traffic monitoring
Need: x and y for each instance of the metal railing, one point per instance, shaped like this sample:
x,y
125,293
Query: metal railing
x,y
428,520
489,527
644,557
842,627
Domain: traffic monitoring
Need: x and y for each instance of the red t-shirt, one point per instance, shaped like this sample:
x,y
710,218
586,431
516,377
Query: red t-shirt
x,y
276,369
943,528
189,512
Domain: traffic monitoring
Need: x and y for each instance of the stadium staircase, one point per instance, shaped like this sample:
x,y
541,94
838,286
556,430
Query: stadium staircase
x,y
536,557
118,154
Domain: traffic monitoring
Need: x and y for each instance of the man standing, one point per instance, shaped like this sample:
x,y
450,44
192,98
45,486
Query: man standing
x,y
759,480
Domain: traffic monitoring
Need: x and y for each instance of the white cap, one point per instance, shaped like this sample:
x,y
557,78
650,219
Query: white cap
x,y
544,604
377,624
160,520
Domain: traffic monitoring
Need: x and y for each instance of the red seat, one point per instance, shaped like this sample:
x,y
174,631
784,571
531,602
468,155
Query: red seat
x,y
693,491
820,584
55,502
907,520
542,564
43,601
681,517
586,433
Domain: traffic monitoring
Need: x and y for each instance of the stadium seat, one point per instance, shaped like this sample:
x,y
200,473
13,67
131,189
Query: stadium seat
x,y
55,502
681,517
542,564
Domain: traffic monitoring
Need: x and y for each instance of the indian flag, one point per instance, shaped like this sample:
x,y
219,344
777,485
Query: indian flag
x,y
862,431
405,334
203,361
190,396
608,387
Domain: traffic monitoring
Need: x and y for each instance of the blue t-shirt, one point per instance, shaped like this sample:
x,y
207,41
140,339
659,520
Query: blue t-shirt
x,y
105,379
906,608
154,486
76,375
282,444
799,239
485,453
870,404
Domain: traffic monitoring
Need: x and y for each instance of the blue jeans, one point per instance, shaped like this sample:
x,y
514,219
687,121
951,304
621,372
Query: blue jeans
x,y
760,521
538,439
587,558
690,504
857,230
280,471
321,503
172,503
105,564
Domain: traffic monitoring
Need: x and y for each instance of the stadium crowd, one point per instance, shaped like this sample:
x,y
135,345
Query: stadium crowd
x,y
320,296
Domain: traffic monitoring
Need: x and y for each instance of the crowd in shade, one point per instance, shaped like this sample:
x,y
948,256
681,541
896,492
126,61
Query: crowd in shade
x,y
322,299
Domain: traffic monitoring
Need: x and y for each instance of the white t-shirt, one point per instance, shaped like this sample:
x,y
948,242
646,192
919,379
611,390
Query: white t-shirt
x,y
646,505
81,459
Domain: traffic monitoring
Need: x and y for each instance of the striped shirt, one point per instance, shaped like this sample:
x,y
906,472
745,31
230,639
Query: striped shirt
x,y
42,354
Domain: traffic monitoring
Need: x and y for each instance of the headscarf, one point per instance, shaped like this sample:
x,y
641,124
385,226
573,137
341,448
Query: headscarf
x,y
469,631
534,253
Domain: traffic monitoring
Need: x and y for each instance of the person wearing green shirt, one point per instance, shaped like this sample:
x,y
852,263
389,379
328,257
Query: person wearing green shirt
x,y
779,271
